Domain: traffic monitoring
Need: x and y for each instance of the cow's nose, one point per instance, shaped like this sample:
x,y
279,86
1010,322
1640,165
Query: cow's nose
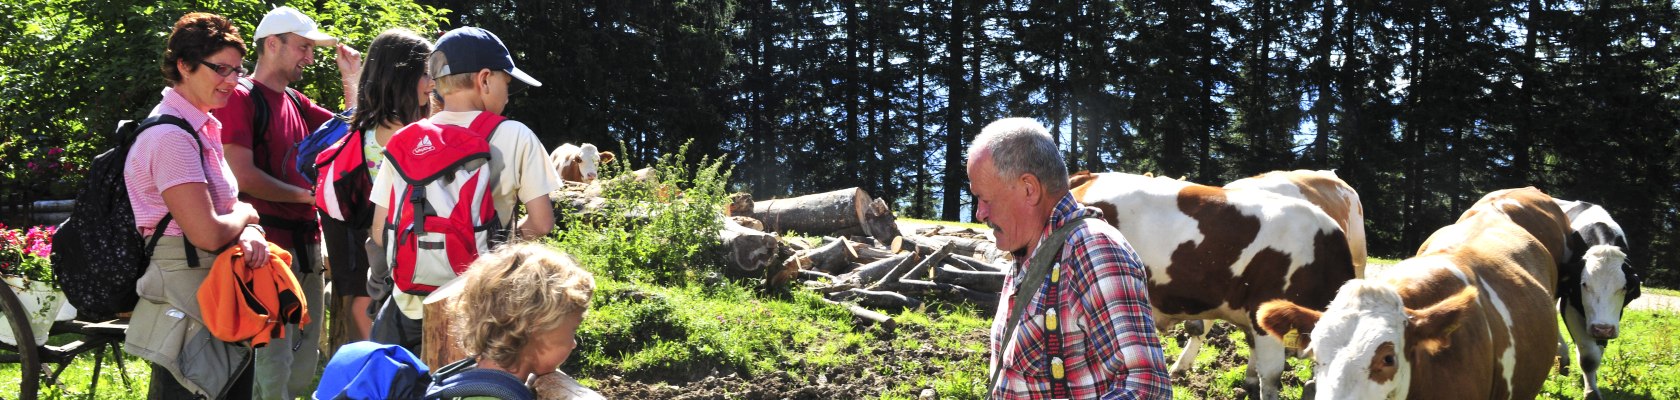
x,y
1603,331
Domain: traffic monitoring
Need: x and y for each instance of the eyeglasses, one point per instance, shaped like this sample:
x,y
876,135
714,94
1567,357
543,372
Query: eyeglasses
x,y
224,70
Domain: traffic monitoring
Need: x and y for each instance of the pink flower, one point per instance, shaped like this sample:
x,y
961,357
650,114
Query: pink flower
x,y
41,249
55,151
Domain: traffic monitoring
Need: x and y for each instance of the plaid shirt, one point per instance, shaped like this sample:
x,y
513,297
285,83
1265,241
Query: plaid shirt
x,y
1110,349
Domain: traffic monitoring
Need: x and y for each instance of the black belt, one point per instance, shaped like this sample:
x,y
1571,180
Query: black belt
x,y
300,230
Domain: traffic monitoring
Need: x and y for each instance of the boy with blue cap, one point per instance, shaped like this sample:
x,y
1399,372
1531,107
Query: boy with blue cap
x,y
474,74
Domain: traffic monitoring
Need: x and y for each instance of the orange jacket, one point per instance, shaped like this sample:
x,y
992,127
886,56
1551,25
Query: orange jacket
x,y
241,303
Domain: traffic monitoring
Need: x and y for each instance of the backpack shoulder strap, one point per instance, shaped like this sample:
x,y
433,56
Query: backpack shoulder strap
x,y
296,101
464,379
157,232
259,120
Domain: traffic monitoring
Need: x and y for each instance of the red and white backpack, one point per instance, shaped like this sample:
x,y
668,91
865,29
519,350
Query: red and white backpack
x,y
441,214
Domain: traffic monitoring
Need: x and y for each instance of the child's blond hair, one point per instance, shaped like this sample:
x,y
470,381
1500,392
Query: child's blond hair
x,y
513,294
447,84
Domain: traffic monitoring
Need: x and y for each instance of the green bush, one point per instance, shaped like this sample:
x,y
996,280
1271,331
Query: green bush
x,y
655,229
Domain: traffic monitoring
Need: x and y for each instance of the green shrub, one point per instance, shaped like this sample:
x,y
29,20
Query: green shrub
x,y
660,229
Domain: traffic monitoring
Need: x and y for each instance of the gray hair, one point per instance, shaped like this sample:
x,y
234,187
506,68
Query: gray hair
x,y
1022,145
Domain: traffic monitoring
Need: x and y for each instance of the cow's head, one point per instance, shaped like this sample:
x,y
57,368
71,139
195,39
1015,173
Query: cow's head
x,y
1607,285
1359,344
588,161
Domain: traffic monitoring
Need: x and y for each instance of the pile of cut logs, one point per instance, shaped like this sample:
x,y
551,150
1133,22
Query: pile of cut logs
x,y
849,247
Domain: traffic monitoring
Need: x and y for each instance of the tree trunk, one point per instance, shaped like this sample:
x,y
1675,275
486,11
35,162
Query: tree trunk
x,y
437,346
342,328
749,253
840,212
829,258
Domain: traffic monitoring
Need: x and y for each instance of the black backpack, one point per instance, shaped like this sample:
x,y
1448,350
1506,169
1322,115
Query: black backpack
x,y
98,255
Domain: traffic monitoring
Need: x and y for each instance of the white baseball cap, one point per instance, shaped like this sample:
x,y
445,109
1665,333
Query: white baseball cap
x,y
290,20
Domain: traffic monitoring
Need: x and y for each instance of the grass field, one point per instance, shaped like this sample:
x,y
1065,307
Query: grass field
x,y
638,334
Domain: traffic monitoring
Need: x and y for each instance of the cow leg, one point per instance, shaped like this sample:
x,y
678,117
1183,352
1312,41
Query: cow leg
x,y
1564,309
1587,349
1197,329
1591,353
1265,365
1563,357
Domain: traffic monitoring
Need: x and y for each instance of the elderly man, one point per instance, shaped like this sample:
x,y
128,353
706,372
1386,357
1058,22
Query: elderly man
x,y
1075,321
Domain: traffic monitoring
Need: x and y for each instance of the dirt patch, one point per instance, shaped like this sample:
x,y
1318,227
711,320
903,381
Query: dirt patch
x,y
1204,380
878,368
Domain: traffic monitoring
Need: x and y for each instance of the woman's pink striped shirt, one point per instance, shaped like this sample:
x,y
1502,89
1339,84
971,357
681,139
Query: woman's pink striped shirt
x,y
163,157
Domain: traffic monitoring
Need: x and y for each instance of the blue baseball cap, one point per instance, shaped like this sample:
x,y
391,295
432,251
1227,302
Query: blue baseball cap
x,y
469,49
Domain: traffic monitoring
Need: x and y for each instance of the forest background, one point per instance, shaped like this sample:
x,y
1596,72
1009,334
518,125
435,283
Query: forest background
x,y
1422,106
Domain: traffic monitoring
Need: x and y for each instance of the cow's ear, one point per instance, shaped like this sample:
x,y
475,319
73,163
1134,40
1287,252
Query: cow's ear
x,y
1430,329
1280,317
606,157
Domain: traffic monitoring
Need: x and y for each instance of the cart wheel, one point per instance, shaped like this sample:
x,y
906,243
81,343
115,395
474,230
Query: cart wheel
x,y
30,381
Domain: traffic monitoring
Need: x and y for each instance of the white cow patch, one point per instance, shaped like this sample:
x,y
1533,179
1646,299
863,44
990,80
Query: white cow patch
x,y
1508,358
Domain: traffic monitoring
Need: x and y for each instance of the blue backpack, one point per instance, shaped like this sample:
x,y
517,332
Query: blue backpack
x,y
368,370
463,379
322,138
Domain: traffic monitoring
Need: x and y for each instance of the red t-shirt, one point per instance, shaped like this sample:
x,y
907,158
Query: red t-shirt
x,y
287,126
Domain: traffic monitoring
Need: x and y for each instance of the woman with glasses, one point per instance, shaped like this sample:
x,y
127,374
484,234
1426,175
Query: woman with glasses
x,y
181,188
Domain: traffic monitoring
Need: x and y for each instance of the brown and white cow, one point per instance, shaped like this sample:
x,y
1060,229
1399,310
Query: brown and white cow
x,y
1325,190
1528,207
578,163
1469,318
1218,254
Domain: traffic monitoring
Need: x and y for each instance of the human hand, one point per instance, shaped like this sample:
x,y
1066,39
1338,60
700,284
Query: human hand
x,y
349,63
246,212
255,247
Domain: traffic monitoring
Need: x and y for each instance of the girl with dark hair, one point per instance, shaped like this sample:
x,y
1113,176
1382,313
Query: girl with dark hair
x,y
175,173
394,92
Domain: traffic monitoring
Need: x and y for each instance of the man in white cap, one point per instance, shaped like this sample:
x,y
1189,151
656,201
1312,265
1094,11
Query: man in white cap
x,y
262,122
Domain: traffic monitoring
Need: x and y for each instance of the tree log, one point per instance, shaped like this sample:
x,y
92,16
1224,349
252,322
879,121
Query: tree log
x,y
977,280
829,258
876,270
739,204
868,254
919,269
876,299
750,253
866,317
942,291
840,211
978,265
811,275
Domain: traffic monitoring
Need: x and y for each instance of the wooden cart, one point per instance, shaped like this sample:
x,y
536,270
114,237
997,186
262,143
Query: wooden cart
x,y
92,336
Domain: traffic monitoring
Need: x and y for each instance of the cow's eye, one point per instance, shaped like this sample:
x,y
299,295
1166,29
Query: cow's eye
x,y
1388,360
